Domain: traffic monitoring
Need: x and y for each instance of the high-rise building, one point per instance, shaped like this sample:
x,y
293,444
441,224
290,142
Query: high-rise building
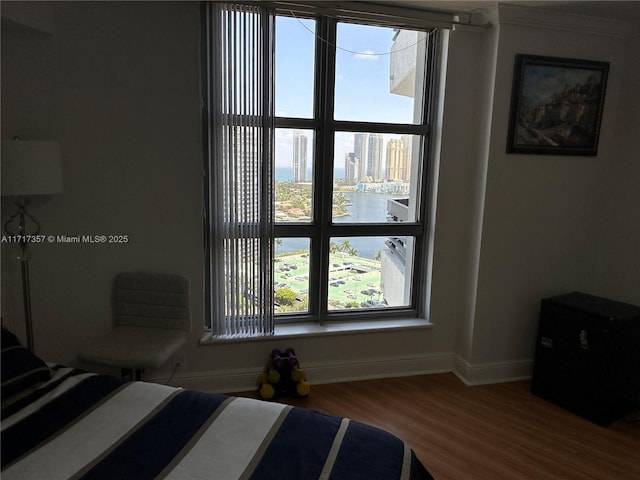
x,y
395,158
360,148
393,260
351,164
407,143
299,157
367,150
374,157
398,164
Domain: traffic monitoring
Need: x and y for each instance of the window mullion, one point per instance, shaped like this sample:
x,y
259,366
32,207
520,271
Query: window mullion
x,y
378,127
424,249
323,170
300,123
379,230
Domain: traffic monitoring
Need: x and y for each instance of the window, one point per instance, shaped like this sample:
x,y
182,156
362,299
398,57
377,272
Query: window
x,y
333,138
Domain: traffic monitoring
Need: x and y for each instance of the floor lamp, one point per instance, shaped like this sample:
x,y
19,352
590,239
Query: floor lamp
x,y
28,168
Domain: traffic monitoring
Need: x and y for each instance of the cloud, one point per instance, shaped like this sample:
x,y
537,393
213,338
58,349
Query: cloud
x,y
366,55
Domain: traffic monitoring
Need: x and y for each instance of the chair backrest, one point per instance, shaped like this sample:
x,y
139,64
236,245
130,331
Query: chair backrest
x,y
152,300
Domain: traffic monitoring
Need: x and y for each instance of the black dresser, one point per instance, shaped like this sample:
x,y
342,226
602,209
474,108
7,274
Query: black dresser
x,y
587,356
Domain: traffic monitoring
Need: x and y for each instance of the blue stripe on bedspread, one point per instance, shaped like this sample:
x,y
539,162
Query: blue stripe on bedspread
x,y
39,393
146,452
55,415
368,453
299,448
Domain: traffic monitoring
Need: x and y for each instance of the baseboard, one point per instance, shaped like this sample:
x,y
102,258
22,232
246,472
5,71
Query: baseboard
x,y
492,372
240,380
244,379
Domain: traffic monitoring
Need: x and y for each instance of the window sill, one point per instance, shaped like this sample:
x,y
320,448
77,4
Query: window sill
x,y
307,329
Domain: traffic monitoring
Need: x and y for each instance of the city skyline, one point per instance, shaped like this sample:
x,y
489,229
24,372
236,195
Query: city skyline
x,y
363,163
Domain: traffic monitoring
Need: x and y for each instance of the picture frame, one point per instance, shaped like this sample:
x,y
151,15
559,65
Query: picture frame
x,y
556,105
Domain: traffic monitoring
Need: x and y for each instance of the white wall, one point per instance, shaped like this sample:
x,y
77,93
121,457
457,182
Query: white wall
x,y
542,216
617,269
117,84
463,170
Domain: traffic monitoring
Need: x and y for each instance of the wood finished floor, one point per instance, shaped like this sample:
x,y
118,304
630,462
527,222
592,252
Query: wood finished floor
x,y
487,432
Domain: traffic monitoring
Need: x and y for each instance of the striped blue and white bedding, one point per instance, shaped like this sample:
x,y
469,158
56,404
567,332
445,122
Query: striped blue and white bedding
x,y
90,426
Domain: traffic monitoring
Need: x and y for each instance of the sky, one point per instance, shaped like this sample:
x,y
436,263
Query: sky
x,y
362,80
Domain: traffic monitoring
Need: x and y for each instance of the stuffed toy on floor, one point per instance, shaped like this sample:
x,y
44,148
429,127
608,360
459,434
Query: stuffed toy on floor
x,y
283,375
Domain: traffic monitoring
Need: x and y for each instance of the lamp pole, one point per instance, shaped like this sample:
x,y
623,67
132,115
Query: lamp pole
x,y
26,295
22,215
28,168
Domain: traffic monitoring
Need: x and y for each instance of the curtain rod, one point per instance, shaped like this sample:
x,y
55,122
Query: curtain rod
x,y
386,13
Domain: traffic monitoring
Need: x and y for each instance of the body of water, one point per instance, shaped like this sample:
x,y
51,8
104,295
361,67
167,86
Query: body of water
x,y
365,207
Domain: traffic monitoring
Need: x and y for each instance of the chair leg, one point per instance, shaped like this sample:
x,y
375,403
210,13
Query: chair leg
x,y
132,374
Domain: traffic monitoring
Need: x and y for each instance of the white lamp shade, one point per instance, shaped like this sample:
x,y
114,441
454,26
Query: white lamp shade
x,y
31,167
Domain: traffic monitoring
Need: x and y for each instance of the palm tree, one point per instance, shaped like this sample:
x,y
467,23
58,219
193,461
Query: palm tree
x,y
346,247
278,242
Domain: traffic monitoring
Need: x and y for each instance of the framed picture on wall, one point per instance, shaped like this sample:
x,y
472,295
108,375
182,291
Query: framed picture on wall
x,y
556,105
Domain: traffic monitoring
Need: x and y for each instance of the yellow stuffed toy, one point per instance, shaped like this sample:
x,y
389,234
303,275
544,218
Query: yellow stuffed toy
x,y
283,375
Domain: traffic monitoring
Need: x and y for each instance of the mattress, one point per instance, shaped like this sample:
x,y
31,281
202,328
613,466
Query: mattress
x,y
84,425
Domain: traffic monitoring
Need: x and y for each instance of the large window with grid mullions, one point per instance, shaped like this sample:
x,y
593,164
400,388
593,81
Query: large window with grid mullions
x,y
341,126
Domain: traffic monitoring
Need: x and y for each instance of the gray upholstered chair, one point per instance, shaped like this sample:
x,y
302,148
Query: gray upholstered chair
x,y
151,320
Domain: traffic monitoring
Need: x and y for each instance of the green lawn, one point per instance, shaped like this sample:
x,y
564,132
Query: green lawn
x,y
351,279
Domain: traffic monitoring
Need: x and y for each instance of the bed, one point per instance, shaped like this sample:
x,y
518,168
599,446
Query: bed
x,y
61,423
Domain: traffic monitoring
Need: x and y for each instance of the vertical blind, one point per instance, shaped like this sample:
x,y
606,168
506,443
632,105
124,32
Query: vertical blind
x,y
241,135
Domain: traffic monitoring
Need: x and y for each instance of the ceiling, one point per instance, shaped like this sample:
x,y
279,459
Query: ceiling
x,y
627,10
616,10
